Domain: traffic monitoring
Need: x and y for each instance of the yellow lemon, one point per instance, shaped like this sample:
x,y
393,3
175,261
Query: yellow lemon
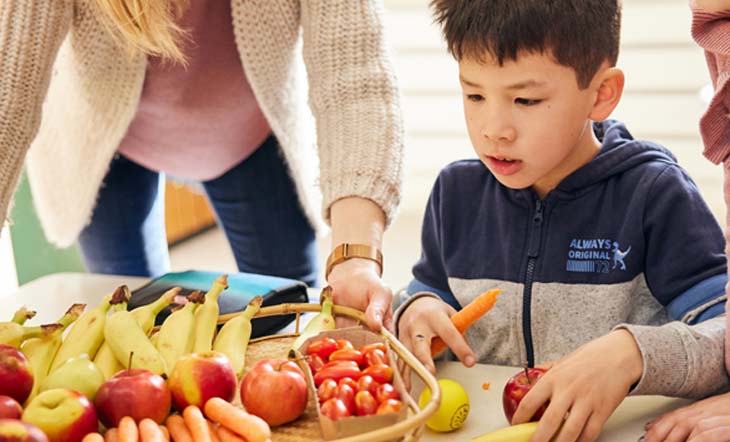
x,y
454,407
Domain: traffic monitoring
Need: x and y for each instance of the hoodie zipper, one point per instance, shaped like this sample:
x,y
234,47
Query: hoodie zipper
x,y
533,252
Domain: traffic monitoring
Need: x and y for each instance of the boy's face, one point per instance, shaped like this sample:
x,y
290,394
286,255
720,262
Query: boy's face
x,y
528,119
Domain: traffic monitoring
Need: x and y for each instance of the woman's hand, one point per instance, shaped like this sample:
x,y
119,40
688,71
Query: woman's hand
x,y
583,388
357,284
706,420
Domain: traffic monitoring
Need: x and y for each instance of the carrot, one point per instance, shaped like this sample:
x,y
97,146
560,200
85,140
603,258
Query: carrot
x,y
464,318
111,435
128,430
149,431
213,434
178,431
93,437
250,427
226,435
196,423
165,433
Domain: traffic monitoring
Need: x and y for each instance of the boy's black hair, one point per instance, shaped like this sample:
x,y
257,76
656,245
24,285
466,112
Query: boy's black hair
x,y
581,34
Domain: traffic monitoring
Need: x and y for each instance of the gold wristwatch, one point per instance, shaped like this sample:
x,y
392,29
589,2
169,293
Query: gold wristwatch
x,y
346,251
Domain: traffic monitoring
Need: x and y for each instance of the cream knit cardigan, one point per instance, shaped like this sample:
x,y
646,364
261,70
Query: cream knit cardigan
x,y
58,51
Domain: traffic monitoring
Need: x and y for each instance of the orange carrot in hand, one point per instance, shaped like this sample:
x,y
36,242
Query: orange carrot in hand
x,y
178,431
165,433
213,434
128,430
196,423
464,318
111,435
226,435
149,431
250,427
93,437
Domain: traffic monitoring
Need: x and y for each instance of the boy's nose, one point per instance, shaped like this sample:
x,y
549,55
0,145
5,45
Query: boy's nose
x,y
498,130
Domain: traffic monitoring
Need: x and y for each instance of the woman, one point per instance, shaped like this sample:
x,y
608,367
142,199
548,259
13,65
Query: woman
x,y
214,91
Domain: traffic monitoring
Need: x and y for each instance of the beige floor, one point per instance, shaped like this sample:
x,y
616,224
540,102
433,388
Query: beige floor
x,y
665,71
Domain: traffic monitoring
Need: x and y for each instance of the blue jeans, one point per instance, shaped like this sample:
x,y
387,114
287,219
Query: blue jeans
x,y
255,204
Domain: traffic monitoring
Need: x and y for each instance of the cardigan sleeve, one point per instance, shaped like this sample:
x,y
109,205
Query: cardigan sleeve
x,y
355,102
31,31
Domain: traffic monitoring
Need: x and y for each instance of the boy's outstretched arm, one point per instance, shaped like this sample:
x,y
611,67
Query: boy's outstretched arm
x,y
583,388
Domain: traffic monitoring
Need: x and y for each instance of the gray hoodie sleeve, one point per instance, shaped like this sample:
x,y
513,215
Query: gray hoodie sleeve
x,y
681,360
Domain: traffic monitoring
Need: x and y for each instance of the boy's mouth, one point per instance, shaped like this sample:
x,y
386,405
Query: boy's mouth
x,y
503,165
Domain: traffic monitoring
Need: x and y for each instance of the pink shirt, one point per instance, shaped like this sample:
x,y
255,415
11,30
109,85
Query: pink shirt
x,y
197,121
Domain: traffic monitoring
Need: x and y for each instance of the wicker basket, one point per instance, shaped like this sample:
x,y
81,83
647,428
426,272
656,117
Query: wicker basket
x,y
306,428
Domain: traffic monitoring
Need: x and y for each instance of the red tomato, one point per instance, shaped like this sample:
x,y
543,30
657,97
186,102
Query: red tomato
x,y
322,348
344,343
341,363
336,372
347,355
381,373
346,394
349,381
385,392
326,390
367,383
365,403
315,363
389,406
374,346
375,357
334,409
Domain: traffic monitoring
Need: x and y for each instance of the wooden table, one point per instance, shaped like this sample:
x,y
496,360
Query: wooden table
x,y
51,295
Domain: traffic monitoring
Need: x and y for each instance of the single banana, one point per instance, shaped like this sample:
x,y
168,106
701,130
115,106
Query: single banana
x,y
41,351
514,433
206,317
85,336
126,337
105,359
323,321
175,337
232,340
14,334
22,315
146,314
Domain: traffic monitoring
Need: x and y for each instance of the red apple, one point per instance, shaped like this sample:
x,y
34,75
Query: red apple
x,y
15,430
16,374
137,392
275,390
197,377
64,415
10,408
515,390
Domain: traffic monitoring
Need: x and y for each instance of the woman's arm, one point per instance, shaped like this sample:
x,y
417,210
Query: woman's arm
x,y
31,32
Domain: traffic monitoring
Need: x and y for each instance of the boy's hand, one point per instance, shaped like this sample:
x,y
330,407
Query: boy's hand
x,y
583,388
425,319
706,420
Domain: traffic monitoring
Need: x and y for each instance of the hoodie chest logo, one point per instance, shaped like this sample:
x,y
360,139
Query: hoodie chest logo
x,y
596,256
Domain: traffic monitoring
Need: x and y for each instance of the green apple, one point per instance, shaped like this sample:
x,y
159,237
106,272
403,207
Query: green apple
x,y
63,415
80,374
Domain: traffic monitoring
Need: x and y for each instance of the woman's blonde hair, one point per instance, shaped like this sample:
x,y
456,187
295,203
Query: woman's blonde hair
x,y
149,26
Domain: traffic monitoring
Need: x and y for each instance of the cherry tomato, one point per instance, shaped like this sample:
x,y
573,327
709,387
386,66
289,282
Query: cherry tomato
x,y
346,394
375,357
336,372
322,347
341,363
374,346
367,383
315,363
349,381
381,373
365,403
385,392
334,409
389,406
326,390
344,343
347,355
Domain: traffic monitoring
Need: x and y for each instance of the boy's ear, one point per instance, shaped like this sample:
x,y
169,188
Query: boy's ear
x,y
610,85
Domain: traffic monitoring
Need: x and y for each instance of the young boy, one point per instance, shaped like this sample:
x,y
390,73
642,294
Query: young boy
x,y
602,245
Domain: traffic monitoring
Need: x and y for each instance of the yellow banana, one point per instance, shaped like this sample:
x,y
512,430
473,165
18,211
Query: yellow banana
x,y
41,351
146,314
323,321
232,340
85,336
105,359
125,337
22,315
514,433
175,337
206,317
14,334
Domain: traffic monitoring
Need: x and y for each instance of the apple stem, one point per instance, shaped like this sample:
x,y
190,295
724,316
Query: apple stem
x,y
527,375
129,366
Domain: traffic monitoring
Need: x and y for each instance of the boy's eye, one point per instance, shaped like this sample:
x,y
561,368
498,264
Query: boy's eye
x,y
474,97
527,101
